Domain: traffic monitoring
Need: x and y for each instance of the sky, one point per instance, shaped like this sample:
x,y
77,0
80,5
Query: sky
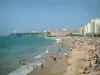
x,y
39,15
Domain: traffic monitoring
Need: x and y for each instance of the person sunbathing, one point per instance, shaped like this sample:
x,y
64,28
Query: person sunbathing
x,y
83,70
90,65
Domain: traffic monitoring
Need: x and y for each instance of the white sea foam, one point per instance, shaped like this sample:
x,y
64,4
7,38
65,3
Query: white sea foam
x,y
38,56
58,40
47,37
24,70
47,51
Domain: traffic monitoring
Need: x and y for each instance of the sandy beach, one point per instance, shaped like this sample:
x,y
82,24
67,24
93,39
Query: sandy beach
x,y
52,69
84,51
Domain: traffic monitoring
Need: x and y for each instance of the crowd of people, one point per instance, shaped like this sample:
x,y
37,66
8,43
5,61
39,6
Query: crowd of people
x,y
56,56
92,51
89,46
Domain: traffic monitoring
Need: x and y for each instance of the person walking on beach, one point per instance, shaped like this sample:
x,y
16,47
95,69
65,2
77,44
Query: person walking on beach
x,y
56,55
34,67
59,50
27,67
66,55
71,49
42,65
51,56
54,59
62,44
90,65
96,62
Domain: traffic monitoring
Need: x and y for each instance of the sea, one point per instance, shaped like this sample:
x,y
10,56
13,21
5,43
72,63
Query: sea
x,y
32,50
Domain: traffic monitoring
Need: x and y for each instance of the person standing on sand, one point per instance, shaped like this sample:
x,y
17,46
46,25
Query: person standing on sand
x,y
33,67
90,65
56,55
71,49
42,65
51,56
62,44
54,59
27,67
66,55
59,50
96,62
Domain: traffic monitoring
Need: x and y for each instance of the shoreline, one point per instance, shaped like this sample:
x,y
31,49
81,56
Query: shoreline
x,y
78,57
54,69
23,70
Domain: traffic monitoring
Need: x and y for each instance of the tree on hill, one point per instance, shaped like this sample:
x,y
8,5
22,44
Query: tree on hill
x,y
48,33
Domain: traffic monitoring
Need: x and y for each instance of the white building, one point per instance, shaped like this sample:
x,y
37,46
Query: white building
x,y
85,29
92,28
81,31
97,26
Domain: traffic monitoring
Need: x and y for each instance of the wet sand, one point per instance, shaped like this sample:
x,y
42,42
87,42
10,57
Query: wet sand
x,y
52,69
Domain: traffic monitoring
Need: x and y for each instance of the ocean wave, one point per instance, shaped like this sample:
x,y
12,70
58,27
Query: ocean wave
x,y
24,70
38,56
58,40
47,37
47,51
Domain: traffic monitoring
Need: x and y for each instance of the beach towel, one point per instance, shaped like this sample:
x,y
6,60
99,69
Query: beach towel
x,y
81,71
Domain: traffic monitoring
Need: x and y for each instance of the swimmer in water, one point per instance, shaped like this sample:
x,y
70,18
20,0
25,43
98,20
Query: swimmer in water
x,y
30,50
27,67
20,60
24,63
